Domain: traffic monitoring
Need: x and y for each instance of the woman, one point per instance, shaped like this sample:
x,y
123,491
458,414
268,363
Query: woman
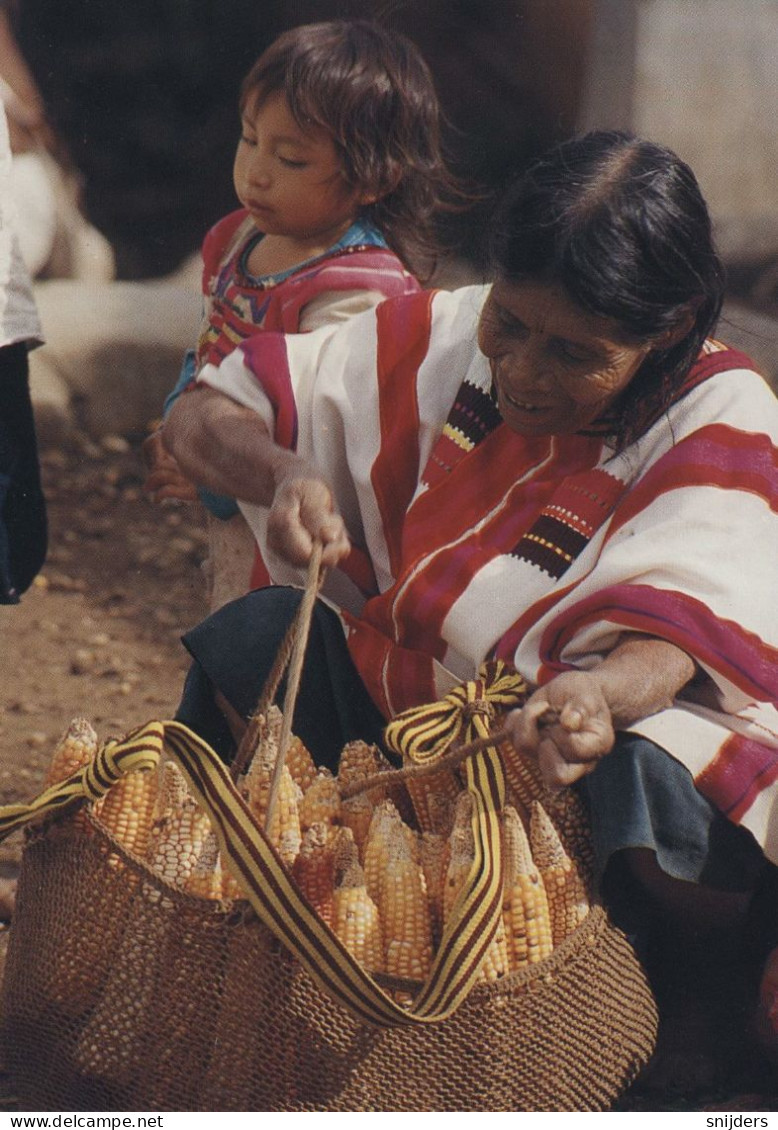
x,y
560,470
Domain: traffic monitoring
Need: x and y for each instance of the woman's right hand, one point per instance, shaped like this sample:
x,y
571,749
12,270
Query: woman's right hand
x,y
303,511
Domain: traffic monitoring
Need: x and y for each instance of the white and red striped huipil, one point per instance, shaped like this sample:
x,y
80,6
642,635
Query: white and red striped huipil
x,y
471,540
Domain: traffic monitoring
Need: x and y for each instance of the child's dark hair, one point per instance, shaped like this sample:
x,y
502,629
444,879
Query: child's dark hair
x,y
370,89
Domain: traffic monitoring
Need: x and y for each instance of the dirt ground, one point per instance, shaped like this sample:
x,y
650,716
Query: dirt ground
x,y
98,633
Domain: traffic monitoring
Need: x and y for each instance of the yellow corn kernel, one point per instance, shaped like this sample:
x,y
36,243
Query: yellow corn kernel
x,y
570,817
461,852
356,919
496,963
434,853
284,832
180,833
314,870
568,901
300,763
357,814
127,811
321,801
404,909
203,880
375,856
208,879
73,751
255,784
358,760
525,904
522,777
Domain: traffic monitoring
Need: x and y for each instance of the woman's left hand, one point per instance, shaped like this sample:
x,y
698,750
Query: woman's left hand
x,y
577,731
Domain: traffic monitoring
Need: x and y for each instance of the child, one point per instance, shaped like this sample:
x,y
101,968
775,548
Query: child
x,y
339,172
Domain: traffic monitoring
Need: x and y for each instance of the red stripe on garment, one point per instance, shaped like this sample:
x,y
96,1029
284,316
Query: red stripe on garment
x,y
403,330
718,456
477,484
266,358
739,772
423,607
395,678
738,654
483,482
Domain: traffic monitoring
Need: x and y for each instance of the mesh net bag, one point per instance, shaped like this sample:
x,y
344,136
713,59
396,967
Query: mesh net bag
x,y
123,993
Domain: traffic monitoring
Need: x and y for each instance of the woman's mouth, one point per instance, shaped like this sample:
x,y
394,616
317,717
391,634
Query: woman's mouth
x,y
524,405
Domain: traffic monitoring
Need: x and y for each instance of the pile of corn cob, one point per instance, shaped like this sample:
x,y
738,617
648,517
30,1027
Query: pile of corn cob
x,y
384,868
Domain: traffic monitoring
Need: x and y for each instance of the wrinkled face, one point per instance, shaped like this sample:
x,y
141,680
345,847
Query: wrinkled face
x,y
291,179
556,368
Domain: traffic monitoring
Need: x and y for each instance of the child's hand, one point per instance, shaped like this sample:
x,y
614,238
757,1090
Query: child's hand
x,y
567,724
164,479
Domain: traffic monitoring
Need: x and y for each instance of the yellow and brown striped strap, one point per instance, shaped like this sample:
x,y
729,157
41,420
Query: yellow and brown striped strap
x,y
139,750
269,888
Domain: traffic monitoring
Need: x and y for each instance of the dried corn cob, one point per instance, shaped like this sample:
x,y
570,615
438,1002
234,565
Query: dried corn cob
x,y
522,777
570,817
496,961
357,814
75,749
284,831
127,811
254,785
565,889
300,763
209,880
180,833
321,801
404,908
385,815
525,905
431,797
358,760
314,870
355,918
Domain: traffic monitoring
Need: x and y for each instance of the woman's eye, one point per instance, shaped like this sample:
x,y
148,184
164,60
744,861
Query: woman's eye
x,y
573,355
510,324
247,140
290,164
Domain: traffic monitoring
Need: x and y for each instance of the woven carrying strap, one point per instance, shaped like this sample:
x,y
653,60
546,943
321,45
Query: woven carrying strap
x,y
271,892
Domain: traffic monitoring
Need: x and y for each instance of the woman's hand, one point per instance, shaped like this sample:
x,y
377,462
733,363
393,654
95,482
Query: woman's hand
x,y
576,732
302,511
639,677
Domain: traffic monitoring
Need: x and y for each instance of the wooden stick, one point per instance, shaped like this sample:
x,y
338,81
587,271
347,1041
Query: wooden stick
x,y
303,620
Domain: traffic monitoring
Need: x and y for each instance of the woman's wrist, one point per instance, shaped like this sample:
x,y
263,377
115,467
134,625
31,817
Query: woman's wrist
x,y
642,675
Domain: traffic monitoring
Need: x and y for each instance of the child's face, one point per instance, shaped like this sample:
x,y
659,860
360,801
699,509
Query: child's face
x,y
291,179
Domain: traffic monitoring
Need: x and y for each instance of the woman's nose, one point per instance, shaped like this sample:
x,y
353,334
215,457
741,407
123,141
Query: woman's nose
x,y
523,366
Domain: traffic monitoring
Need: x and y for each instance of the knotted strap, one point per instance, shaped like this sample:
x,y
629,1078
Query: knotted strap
x,y
273,895
139,750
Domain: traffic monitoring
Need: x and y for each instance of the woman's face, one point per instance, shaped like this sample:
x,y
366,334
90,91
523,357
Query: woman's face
x,y
556,368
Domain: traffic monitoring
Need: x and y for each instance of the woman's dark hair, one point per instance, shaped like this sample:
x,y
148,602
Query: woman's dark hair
x,y
372,92
621,226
